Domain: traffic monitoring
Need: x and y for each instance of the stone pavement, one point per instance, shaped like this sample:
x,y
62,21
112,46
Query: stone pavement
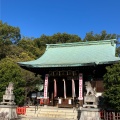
x,y
42,118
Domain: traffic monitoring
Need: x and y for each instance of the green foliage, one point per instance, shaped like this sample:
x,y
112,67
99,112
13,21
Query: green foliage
x,y
3,49
30,81
54,39
64,38
112,87
9,34
102,36
118,51
29,46
11,72
19,54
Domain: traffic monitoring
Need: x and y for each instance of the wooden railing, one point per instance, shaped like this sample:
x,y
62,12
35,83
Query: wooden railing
x,y
109,115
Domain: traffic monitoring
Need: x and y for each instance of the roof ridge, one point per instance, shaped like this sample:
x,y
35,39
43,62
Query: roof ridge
x,y
111,41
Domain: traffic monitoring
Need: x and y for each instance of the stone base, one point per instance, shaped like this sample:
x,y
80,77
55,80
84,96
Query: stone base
x,y
90,106
7,103
8,112
90,98
45,106
90,114
8,97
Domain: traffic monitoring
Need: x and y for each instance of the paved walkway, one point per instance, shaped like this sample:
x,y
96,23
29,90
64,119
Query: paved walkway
x,y
43,118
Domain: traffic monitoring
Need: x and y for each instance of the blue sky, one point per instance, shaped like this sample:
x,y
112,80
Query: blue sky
x,y
37,17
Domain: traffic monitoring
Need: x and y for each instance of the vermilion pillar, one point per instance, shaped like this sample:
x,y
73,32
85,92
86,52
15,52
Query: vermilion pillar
x,y
55,88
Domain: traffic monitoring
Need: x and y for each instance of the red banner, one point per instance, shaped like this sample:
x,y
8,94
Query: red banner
x,y
80,87
46,86
55,88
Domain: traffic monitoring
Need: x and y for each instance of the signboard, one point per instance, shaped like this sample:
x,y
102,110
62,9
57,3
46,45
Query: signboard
x,y
40,95
46,86
80,87
33,95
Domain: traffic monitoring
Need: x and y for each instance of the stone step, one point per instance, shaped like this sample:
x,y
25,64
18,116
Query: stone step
x,y
52,112
42,118
63,114
57,116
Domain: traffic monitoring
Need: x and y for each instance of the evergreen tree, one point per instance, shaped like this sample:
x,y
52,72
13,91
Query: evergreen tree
x,y
112,87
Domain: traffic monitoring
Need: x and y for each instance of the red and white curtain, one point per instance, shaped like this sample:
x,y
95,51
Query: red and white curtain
x,y
46,87
73,89
55,88
80,86
64,88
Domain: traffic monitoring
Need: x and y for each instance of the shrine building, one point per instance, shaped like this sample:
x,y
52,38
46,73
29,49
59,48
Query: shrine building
x,y
66,67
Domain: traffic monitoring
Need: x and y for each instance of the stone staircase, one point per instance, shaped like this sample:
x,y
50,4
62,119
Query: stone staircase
x,y
51,112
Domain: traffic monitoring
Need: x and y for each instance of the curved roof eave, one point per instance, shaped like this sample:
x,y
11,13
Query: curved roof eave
x,y
76,54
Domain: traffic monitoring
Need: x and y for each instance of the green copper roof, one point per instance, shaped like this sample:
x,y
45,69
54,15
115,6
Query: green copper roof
x,y
76,54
